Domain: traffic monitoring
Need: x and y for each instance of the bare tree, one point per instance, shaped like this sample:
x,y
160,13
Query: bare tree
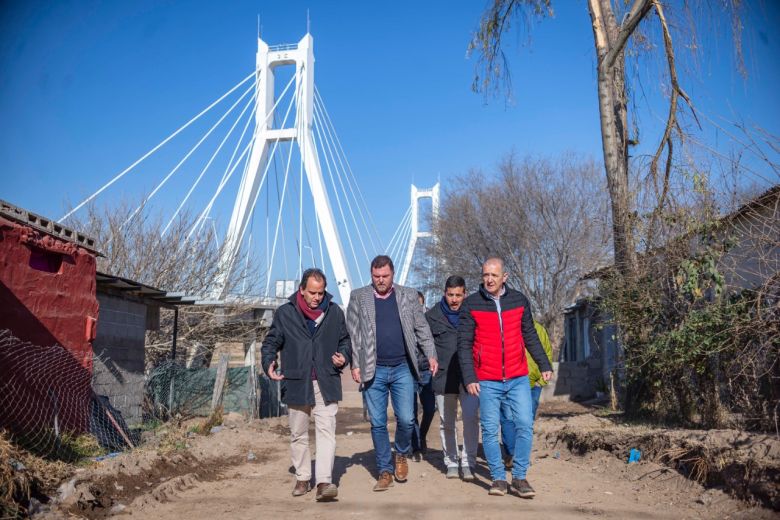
x,y
136,248
611,39
546,218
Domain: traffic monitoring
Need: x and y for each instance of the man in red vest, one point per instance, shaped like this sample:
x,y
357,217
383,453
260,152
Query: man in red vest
x,y
495,330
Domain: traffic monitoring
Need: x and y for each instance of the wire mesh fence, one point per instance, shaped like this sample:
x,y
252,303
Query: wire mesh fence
x,y
50,407
174,390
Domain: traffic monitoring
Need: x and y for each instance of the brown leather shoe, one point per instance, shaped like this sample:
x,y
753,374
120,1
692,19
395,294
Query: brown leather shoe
x,y
384,481
301,488
401,468
326,491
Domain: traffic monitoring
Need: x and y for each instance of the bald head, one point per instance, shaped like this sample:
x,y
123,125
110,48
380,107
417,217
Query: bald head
x,y
495,261
493,275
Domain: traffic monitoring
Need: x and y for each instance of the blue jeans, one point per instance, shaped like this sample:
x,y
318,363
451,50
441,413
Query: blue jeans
x,y
398,383
508,429
428,400
514,396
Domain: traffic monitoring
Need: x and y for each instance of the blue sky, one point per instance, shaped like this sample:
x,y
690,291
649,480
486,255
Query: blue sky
x,y
87,87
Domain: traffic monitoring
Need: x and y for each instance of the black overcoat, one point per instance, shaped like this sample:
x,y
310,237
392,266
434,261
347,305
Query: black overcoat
x,y
300,350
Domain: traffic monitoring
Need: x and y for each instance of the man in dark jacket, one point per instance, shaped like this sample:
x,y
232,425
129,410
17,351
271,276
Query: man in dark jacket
x,y
427,399
448,386
495,330
310,334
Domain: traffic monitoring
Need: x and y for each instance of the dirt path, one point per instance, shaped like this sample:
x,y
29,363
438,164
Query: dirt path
x,y
567,486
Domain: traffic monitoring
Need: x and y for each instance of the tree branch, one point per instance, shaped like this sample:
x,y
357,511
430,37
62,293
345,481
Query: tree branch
x,y
671,121
635,15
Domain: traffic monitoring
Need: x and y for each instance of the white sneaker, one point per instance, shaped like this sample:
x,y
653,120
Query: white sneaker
x,y
452,472
467,473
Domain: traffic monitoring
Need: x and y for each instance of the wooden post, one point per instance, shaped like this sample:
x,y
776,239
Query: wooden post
x,y
173,360
219,382
252,381
613,399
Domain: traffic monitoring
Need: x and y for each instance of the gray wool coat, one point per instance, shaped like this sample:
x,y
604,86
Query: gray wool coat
x,y
361,325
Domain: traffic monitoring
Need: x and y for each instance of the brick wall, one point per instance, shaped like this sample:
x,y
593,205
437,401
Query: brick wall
x,y
119,354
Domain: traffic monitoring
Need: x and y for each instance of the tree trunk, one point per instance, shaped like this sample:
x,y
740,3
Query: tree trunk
x,y
614,133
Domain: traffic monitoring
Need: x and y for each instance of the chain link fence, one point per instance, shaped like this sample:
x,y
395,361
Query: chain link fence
x,y
49,406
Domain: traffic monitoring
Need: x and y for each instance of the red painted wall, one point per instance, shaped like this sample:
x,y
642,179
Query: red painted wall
x,y
47,298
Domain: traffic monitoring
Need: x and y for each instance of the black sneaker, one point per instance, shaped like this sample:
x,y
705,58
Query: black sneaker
x,y
522,488
498,488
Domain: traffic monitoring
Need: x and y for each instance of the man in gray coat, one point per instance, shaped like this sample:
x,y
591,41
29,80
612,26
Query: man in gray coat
x,y
387,325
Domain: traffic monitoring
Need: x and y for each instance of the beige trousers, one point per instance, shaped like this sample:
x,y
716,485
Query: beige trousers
x,y
325,438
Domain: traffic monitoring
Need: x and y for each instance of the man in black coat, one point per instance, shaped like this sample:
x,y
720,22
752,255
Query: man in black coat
x,y
310,334
443,318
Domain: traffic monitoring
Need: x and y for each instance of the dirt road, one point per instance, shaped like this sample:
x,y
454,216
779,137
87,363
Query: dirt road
x,y
568,486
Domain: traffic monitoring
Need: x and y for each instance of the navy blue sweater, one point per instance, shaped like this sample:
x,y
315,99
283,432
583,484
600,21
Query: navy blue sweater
x,y
390,345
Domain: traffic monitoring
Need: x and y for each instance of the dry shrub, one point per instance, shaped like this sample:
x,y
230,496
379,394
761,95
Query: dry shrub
x,y
24,475
204,428
14,484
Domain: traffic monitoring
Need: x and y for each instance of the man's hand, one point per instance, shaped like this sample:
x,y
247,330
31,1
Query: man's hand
x,y
473,388
434,364
338,359
272,372
356,375
547,376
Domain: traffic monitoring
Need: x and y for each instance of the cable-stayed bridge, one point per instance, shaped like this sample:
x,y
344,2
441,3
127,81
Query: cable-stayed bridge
x,y
296,201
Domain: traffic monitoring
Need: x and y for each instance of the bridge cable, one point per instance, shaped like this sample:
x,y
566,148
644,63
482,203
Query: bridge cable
x,y
392,246
335,192
350,181
346,194
327,131
268,164
258,129
401,224
164,141
349,167
403,240
279,215
208,164
186,156
229,171
339,165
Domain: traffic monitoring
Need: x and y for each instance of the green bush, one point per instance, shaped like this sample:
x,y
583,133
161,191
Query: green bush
x,y
693,353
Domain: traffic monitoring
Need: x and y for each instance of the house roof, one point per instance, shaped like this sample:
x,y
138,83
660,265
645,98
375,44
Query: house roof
x,y
755,202
752,204
142,291
48,226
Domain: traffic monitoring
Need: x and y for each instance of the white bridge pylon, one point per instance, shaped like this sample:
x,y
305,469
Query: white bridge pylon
x,y
414,225
267,136
257,155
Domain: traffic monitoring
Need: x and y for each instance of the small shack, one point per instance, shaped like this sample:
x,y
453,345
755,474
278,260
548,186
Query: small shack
x,y
127,310
48,318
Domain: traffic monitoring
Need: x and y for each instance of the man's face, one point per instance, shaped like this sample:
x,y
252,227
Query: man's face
x,y
314,292
382,278
493,277
454,297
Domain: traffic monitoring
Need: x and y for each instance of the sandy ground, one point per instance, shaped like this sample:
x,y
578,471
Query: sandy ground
x,y
568,486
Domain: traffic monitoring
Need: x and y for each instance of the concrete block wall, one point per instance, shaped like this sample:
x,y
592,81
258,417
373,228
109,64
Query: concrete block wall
x,y
118,365
575,380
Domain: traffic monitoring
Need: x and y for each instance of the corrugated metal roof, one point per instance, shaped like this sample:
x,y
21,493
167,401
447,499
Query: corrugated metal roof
x,y
147,292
